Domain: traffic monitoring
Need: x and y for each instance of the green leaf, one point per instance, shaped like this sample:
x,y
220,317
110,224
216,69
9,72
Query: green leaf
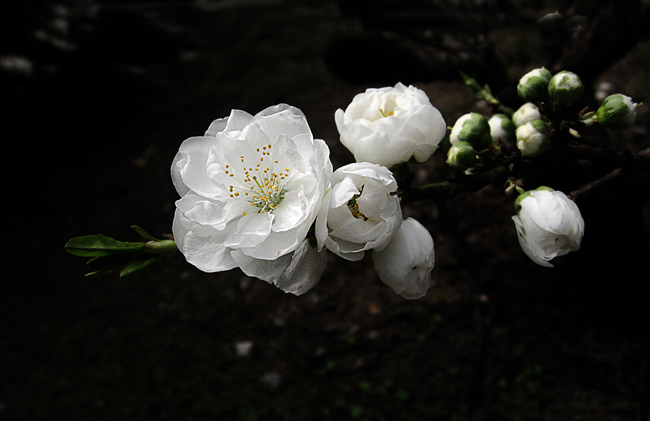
x,y
102,265
144,234
138,264
99,245
100,272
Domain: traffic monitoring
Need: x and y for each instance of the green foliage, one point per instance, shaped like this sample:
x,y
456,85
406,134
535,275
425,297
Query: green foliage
x,y
99,245
108,254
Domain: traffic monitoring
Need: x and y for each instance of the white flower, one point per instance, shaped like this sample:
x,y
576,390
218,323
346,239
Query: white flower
x,y
388,126
405,264
548,225
360,212
526,113
251,188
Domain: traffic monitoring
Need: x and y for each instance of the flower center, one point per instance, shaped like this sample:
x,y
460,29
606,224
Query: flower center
x,y
386,113
261,185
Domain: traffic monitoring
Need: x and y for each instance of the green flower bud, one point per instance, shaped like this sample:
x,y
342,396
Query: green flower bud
x,y
566,88
618,112
502,127
533,138
472,128
533,86
461,156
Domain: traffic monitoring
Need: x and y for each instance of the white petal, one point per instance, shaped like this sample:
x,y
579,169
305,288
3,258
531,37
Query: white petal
x,y
293,211
304,272
278,243
266,270
252,230
207,256
189,167
294,273
238,120
532,249
216,126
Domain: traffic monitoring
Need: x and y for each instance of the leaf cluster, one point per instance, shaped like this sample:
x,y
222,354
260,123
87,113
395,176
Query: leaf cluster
x,y
108,255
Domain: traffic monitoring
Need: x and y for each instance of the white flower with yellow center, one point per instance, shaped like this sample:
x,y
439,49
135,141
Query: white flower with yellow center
x,y
251,188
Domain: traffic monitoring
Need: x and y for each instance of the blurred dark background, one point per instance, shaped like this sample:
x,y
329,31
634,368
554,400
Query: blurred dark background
x,y
99,95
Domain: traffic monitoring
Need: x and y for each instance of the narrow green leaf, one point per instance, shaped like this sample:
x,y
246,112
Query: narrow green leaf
x,y
138,264
144,234
99,245
100,272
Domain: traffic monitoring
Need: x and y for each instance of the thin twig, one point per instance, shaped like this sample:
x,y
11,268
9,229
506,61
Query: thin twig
x,y
574,195
470,183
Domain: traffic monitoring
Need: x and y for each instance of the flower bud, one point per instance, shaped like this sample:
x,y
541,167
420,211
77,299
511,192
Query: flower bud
x,y
405,264
533,138
502,127
526,113
566,87
472,128
618,112
461,156
533,86
548,224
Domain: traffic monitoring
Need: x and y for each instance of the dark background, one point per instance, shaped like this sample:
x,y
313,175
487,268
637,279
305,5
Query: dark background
x,y
99,95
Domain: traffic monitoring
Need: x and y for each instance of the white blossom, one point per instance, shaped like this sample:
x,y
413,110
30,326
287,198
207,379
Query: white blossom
x,y
405,264
251,189
549,224
391,125
361,212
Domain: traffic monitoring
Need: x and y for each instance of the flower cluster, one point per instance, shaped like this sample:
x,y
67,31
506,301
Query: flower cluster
x,y
258,193
548,223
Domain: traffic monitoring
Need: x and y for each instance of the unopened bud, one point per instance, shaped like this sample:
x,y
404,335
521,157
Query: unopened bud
x,y
502,127
618,112
533,138
566,88
472,128
526,113
533,86
461,156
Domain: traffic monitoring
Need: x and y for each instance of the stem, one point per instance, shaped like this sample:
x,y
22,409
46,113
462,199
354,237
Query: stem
x,y
469,183
485,93
160,247
574,195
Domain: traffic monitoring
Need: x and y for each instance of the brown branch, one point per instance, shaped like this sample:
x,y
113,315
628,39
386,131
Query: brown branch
x,y
470,183
574,195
